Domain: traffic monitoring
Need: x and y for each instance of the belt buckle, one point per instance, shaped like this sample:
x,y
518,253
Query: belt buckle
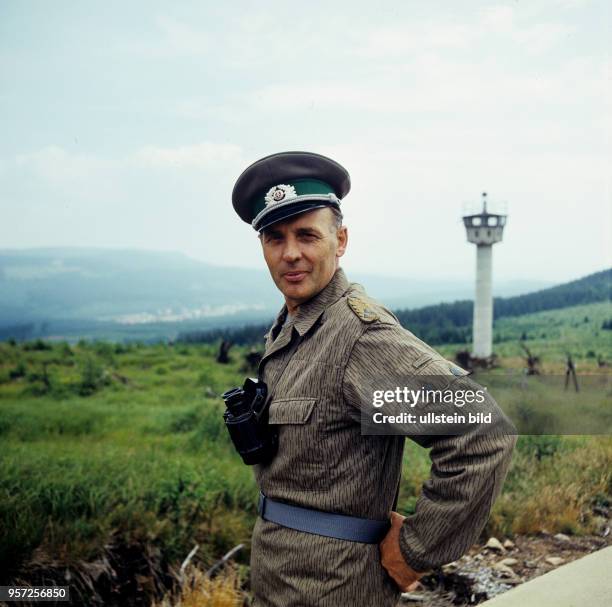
x,y
261,504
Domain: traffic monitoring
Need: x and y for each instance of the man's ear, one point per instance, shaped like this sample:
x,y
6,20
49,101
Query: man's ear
x,y
342,235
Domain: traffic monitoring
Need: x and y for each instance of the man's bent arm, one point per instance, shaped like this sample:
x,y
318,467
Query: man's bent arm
x,y
467,471
467,475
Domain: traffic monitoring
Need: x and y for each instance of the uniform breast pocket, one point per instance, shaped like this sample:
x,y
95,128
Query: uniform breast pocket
x,y
299,464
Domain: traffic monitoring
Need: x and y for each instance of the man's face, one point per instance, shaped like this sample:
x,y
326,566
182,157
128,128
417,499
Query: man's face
x,y
302,253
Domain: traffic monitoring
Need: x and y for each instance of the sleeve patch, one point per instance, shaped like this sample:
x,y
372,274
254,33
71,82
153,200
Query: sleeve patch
x,y
457,371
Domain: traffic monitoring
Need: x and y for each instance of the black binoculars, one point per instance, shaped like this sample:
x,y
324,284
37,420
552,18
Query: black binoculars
x,y
246,418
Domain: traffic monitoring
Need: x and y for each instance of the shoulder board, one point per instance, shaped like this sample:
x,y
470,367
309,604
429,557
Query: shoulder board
x,y
362,309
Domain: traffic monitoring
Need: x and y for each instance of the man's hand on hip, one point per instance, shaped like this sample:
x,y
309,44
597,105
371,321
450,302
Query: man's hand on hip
x,y
393,561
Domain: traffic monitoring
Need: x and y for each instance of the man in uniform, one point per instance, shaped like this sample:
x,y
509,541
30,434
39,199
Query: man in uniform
x,y
327,534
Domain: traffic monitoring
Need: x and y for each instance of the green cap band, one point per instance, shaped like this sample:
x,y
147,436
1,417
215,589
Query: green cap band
x,y
302,188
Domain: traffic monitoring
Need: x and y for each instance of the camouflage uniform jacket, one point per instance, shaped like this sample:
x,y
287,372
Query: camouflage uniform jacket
x,y
316,368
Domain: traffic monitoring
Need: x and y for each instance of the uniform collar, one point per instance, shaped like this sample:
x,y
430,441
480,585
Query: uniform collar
x,y
309,312
276,325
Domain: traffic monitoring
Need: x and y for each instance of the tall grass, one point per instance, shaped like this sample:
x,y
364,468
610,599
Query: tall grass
x,y
143,454
200,591
554,486
135,456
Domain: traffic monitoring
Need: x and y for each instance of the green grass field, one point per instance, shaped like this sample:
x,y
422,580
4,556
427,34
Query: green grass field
x,y
130,442
551,335
102,440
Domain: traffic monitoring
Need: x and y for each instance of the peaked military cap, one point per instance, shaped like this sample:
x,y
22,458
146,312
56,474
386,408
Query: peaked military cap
x,y
288,183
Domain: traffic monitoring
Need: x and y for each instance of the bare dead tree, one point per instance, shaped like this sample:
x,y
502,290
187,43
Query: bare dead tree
x,y
464,359
533,362
223,355
223,561
570,370
252,360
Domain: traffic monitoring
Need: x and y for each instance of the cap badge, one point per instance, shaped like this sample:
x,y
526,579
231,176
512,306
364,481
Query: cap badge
x,y
280,192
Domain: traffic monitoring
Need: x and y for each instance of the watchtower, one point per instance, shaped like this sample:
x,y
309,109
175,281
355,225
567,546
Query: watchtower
x,y
484,229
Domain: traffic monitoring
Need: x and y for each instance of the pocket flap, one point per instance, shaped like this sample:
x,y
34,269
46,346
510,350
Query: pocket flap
x,y
291,410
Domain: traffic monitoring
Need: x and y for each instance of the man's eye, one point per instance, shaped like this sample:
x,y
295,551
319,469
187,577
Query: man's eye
x,y
308,237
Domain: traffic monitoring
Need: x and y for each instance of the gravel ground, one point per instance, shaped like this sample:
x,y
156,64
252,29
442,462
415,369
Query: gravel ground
x,y
498,566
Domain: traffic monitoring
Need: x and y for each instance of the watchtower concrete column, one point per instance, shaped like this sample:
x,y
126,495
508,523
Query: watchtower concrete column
x,y
483,302
484,229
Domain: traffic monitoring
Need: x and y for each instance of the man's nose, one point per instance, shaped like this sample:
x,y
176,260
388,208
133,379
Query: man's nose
x,y
291,252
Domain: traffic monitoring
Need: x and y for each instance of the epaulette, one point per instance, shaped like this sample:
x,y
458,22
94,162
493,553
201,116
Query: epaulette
x,y
362,309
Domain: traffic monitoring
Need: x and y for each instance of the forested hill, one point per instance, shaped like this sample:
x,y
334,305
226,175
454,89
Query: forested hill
x,y
451,322
447,322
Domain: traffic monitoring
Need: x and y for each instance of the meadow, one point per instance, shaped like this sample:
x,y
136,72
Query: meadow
x,y
552,335
124,445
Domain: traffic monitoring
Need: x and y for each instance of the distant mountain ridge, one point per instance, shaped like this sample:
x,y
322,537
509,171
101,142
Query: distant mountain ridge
x,y
451,322
133,287
126,286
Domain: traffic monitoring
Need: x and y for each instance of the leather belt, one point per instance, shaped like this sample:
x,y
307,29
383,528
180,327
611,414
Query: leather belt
x,y
340,526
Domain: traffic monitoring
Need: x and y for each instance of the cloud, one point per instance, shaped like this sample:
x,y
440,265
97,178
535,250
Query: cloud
x,y
57,165
204,155
537,38
172,38
401,40
53,175
506,23
432,84
182,39
498,19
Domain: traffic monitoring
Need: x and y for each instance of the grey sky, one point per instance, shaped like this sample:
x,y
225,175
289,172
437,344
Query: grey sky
x,y
125,124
